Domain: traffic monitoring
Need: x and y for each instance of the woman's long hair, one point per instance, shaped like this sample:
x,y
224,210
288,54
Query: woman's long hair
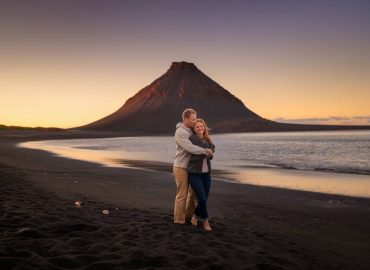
x,y
206,129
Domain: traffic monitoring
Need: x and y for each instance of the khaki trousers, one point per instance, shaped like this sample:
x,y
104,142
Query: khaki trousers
x,y
185,200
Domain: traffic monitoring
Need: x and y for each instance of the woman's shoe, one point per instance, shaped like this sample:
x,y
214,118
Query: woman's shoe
x,y
194,221
206,226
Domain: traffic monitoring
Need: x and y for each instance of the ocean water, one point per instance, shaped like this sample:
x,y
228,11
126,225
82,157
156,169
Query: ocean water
x,y
259,158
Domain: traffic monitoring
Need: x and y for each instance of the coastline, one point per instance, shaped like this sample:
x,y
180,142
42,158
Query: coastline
x,y
255,227
328,181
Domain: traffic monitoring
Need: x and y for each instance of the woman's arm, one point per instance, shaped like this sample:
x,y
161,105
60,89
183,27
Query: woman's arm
x,y
198,141
213,147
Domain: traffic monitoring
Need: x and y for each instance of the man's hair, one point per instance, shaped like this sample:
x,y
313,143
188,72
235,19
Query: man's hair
x,y
187,113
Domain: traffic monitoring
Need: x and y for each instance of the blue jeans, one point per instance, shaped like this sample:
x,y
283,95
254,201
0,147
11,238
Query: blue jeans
x,y
201,185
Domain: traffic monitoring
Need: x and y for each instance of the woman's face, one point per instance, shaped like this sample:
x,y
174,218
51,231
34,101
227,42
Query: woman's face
x,y
199,128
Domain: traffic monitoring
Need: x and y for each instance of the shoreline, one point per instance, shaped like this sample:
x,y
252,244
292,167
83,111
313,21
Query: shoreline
x,y
255,227
321,181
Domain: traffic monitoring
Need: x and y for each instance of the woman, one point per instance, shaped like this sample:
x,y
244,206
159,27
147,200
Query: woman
x,y
199,173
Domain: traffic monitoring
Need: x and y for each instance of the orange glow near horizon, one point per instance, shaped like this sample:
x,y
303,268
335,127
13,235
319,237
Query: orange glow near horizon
x,y
64,99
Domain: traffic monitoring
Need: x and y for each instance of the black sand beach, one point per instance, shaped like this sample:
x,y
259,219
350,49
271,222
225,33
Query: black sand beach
x,y
254,227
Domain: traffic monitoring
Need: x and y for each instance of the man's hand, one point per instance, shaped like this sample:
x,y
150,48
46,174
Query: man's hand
x,y
209,152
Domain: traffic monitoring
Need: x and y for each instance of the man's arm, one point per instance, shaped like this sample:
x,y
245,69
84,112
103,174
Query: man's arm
x,y
183,140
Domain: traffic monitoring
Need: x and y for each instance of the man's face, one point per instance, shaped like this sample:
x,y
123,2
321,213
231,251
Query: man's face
x,y
191,120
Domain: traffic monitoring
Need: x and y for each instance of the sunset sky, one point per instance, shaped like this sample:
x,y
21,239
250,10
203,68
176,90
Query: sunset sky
x,y
68,63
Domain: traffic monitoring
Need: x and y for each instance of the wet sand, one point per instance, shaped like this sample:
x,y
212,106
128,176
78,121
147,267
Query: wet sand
x,y
254,227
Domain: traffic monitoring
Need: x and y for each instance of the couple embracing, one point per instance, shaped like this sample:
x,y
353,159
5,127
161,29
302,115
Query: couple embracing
x,y
192,170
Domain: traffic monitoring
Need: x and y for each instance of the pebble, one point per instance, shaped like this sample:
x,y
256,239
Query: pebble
x,y
78,204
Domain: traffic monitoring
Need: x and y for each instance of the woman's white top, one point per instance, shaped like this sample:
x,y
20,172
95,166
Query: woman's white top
x,y
205,168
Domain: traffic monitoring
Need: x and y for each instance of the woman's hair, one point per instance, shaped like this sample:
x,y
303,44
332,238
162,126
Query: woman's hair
x,y
206,129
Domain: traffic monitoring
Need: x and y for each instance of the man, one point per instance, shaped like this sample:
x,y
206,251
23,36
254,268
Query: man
x,y
184,201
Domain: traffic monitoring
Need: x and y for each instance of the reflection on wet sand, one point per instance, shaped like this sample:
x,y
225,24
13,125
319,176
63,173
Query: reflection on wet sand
x,y
323,182
344,184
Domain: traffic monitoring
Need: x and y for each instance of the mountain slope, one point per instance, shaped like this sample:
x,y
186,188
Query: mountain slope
x,y
156,108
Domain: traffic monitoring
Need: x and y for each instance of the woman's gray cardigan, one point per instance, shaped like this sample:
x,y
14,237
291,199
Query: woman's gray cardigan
x,y
196,161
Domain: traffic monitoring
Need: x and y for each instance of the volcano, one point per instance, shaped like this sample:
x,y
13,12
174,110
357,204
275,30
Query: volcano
x,y
157,108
